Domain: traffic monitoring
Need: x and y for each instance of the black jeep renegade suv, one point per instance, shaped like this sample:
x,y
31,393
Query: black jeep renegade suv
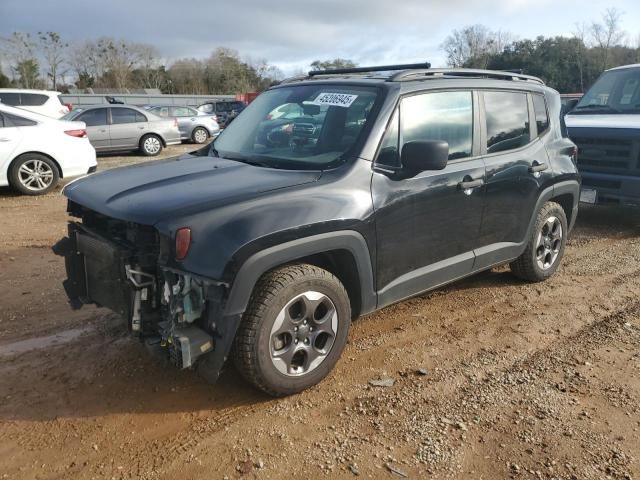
x,y
330,197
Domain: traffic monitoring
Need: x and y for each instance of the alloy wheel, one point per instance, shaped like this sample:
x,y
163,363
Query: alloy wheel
x,y
549,243
152,145
303,334
35,175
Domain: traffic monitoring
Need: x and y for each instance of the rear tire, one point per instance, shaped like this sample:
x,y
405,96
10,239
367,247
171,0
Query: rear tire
x,y
200,135
150,145
545,249
33,174
294,329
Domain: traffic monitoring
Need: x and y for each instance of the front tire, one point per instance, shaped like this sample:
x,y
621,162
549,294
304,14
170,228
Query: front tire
x,y
200,135
545,249
150,145
294,329
33,174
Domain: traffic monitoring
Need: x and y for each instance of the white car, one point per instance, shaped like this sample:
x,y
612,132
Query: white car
x,y
44,102
37,151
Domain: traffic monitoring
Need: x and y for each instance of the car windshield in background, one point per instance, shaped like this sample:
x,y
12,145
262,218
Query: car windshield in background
x,y
616,91
305,127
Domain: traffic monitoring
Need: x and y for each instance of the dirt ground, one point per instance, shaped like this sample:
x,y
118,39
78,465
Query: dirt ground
x,y
492,378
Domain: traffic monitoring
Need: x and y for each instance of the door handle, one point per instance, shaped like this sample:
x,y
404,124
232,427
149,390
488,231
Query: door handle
x,y
538,167
5,139
470,184
103,130
141,127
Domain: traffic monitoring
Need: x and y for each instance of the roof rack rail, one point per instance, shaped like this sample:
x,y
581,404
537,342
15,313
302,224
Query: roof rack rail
x,y
379,68
462,72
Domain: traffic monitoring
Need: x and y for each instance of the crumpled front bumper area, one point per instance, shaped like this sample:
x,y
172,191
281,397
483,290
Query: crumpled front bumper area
x,y
166,308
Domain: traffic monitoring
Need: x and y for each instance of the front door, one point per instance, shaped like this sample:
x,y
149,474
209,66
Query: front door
x,y
427,226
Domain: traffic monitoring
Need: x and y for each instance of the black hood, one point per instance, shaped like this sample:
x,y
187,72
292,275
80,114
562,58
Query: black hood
x,y
157,190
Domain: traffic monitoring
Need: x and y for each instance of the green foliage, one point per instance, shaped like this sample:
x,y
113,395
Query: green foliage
x,y
565,64
28,72
4,81
330,64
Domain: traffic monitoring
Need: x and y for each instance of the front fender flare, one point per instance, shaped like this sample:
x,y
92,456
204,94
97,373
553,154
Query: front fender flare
x,y
258,264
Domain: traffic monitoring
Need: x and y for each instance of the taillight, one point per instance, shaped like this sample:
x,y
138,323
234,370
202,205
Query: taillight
x,y
80,133
183,242
69,106
574,155
214,118
175,122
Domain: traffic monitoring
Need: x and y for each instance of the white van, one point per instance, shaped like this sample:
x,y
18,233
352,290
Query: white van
x,y
44,102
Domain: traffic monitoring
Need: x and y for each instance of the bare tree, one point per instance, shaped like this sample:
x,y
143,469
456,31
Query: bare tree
x,y
608,34
20,50
54,52
472,45
580,34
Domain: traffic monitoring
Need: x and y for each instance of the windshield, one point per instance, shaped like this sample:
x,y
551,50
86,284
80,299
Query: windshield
x,y
616,91
305,126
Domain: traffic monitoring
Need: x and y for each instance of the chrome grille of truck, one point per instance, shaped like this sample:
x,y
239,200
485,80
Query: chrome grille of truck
x,y
619,156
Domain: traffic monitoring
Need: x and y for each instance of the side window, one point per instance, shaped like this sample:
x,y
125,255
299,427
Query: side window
x,y
444,116
9,98
124,115
161,112
180,112
16,121
33,99
542,117
2,121
507,116
140,117
94,118
388,154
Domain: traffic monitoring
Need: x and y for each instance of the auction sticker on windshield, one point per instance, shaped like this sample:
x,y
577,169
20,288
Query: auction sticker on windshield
x,y
335,99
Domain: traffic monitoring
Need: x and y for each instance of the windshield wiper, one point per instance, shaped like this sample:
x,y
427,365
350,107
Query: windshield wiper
x,y
243,159
597,106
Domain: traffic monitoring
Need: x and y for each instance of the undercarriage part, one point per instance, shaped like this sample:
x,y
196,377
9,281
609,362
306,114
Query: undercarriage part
x,y
187,344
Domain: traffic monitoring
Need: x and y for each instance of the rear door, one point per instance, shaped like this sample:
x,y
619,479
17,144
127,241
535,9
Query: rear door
x,y
186,119
517,168
10,137
427,226
127,127
97,127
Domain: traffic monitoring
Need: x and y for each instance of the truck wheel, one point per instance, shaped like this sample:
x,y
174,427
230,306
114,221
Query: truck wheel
x,y
294,329
199,135
33,174
544,251
150,145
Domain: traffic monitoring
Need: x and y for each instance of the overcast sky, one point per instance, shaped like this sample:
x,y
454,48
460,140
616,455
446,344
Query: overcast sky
x,y
292,33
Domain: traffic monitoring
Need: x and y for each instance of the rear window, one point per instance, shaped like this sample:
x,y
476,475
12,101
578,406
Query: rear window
x,y
33,99
507,117
9,98
17,121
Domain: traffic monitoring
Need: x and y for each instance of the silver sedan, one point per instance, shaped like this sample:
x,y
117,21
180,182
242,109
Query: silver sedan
x,y
112,128
194,126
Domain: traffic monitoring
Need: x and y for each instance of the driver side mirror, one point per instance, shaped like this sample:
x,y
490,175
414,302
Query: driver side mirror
x,y
420,156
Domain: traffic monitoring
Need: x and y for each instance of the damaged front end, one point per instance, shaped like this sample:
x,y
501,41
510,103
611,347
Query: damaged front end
x,y
123,266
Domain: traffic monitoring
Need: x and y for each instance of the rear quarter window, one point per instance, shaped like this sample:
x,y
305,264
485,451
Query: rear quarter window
x,y
33,99
542,115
